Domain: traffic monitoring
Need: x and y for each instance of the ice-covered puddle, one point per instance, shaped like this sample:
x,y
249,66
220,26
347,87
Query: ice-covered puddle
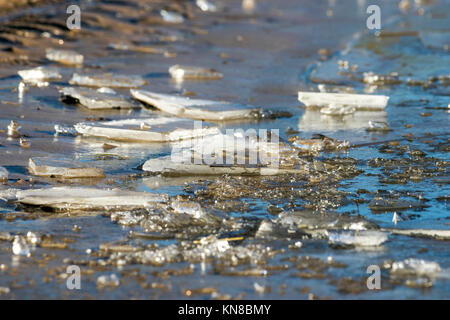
x,y
361,179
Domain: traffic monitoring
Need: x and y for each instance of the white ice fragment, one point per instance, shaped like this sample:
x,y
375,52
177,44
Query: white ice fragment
x,y
359,101
13,129
20,246
4,290
3,174
108,281
196,108
206,5
359,238
79,198
146,130
189,207
64,56
107,80
179,73
106,90
415,267
171,17
96,99
33,238
378,126
49,167
59,129
126,218
340,110
39,74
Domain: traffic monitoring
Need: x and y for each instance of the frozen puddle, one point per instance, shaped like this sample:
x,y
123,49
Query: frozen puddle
x,y
46,167
68,57
146,130
108,80
97,99
196,108
341,100
77,198
193,73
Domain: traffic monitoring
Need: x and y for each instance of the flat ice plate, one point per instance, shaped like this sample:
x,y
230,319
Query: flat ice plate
x,y
94,99
159,129
68,198
66,168
196,108
359,101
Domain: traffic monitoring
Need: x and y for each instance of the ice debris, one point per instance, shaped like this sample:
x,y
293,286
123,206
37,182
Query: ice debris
x,y
180,73
64,56
158,129
108,281
48,167
97,99
107,80
196,108
358,101
415,267
206,5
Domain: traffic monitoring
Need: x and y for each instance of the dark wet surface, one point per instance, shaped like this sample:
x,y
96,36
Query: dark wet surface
x,y
266,55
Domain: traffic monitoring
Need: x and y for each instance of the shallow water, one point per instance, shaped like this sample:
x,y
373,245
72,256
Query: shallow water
x,y
266,55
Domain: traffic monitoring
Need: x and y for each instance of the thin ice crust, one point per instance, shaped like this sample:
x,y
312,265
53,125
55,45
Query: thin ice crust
x,y
196,108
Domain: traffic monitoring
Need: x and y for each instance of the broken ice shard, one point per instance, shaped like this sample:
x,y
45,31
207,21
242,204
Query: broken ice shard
x,y
3,174
64,56
193,73
146,130
20,246
358,101
39,74
171,17
206,5
357,239
97,99
79,198
415,267
47,167
196,108
107,80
